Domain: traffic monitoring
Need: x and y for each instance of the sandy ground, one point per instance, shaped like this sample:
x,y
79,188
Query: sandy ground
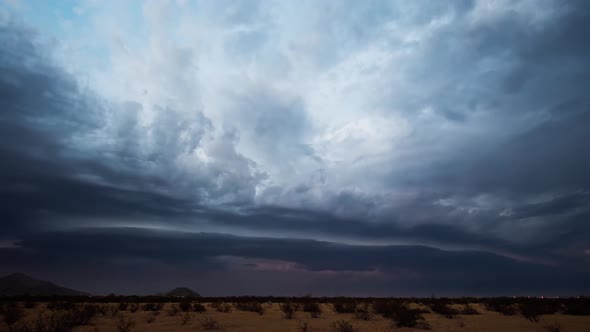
x,y
273,320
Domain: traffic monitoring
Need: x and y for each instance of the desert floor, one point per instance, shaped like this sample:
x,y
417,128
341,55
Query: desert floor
x,y
273,320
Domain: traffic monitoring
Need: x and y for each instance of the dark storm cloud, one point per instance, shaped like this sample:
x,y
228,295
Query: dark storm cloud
x,y
474,271
60,180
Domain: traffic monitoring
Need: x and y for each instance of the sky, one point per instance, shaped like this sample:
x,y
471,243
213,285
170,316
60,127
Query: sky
x,y
355,148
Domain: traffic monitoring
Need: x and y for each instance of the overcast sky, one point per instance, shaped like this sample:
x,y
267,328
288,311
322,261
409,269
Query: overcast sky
x,y
365,148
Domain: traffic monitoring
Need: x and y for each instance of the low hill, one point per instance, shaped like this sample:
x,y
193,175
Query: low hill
x,y
182,292
21,284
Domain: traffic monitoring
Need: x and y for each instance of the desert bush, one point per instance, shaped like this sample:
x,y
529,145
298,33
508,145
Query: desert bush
x,y
504,307
251,306
125,324
186,318
197,307
81,315
363,312
123,306
533,309
406,317
59,305
343,326
55,321
288,310
209,323
224,307
152,306
444,309
469,310
172,310
344,307
185,306
133,307
384,307
313,308
12,313
578,307
151,317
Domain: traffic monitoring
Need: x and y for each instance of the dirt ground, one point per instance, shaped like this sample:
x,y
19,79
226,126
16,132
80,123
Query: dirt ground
x,y
273,320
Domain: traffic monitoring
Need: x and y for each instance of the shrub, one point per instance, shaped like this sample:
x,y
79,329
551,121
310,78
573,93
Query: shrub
x,y
499,305
313,308
209,323
172,310
406,317
152,317
250,306
343,326
60,305
444,309
532,309
12,313
288,310
152,306
83,315
363,312
344,307
384,307
185,306
123,306
133,307
222,306
125,324
57,321
578,307
186,318
197,307
469,310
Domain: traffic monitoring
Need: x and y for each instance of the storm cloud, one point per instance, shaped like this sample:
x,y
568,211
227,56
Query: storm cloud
x,y
379,148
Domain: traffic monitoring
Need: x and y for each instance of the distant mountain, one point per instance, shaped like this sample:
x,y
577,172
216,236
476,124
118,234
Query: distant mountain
x,y
182,292
21,284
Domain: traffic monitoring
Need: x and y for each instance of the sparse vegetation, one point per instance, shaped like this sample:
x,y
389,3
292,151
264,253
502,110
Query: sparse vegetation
x,y
185,306
313,308
133,307
469,310
12,313
444,309
152,306
67,314
198,307
186,318
403,316
222,307
363,312
151,318
209,323
288,310
125,324
345,307
172,310
251,306
343,326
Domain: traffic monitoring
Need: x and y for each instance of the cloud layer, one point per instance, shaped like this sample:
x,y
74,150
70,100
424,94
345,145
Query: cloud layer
x,y
335,147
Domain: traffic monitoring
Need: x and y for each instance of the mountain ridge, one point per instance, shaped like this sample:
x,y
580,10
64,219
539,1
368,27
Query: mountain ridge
x,y
18,283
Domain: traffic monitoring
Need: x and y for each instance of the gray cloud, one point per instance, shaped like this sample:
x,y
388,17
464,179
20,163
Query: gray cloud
x,y
470,139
